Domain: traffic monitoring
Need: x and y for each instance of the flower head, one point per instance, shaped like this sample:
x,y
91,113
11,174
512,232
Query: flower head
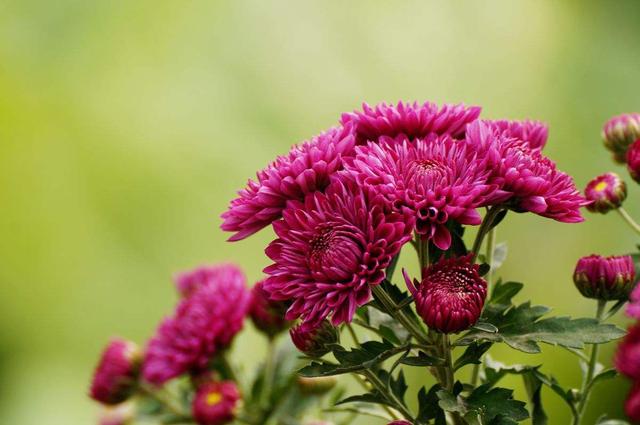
x,y
633,308
190,281
267,315
632,404
116,375
533,181
605,193
451,295
331,249
438,179
313,340
619,133
307,168
203,324
215,403
633,160
413,120
533,133
605,278
627,359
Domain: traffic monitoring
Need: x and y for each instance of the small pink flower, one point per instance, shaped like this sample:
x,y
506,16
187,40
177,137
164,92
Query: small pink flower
x,y
413,120
313,340
605,193
451,295
116,375
619,133
627,358
203,324
633,161
306,169
267,315
331,249
215,403
605,278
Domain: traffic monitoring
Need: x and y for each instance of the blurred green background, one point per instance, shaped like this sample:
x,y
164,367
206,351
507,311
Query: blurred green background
x,y
127,126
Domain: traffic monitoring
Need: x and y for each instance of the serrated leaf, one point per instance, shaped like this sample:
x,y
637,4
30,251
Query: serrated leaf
x,y
472,354
503,293
491,403
373,397
362,409
486,327
422,359
603,375
398,386
428,407
533,387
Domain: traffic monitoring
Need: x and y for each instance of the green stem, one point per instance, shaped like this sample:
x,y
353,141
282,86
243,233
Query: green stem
x,y
390,305
392,413
630,221
269,370
382,388
485,227
591,369
164,399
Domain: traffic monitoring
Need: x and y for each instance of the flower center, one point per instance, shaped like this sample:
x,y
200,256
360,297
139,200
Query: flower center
x,y
213,398
600,187
334,252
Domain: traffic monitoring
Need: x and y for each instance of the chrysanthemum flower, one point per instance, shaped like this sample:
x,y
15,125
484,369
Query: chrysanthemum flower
x,y
313,339
331,249
414,120
267,315
633,308
307,168
605,193
605,278
190,281
437,178
450,296
533,133
533,180
215,403
116,375
619,133
203,324
627,359
633,161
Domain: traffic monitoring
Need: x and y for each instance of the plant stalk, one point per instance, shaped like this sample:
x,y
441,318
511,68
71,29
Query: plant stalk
x,y
484,229
390,305
165,400
627,218
382,388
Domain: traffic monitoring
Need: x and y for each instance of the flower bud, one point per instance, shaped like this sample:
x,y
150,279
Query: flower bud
x,y
633,308
627,359
605,278
116,375
620,132
121,414
215,403
633,161
605,193
316,386
267,315
451,295
313,340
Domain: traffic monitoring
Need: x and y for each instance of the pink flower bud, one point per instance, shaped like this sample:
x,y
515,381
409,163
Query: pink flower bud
x,y
627,358
619,133
451,295
633,160
267,315
215,403
116,375
605,278
605,193
313,340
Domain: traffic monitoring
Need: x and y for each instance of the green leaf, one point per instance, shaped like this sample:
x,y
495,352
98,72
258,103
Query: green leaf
x,y
503,293
491,403
602,376
533,387
522,327
362,409
374,397
604,420
472,354
428,407
421,360
392,267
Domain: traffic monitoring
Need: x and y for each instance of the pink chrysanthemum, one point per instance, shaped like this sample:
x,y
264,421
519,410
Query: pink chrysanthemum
x,y
533,180
627,358
414,120
605,193
190,281
533,133
203,324
267,315
307,168
331,249
116,375
605,278
437,178
215,403
451,294
633,308
633,161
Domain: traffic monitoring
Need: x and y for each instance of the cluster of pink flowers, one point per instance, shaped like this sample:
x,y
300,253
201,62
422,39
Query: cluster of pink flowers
x,y
345,202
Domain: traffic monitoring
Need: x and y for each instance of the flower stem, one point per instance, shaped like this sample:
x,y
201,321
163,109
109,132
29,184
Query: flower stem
x,y
484,229
630,221
382,388
390,305
169,404
269,369
591,369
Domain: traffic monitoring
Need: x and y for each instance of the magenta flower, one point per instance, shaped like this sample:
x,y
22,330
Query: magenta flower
x,y
633,308
190,281
331,249
267,315
605,193
627,359
438,179
451,295
619,133
412,120
307,168
215,403
203,324
605,278
632,404
534,182
633,160
116,376
533,133
313,340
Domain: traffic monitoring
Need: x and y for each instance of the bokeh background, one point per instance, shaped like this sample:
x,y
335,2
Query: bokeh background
x,y
127,126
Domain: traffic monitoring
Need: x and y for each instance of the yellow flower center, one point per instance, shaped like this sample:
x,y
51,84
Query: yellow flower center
x,y
600,186
213,397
